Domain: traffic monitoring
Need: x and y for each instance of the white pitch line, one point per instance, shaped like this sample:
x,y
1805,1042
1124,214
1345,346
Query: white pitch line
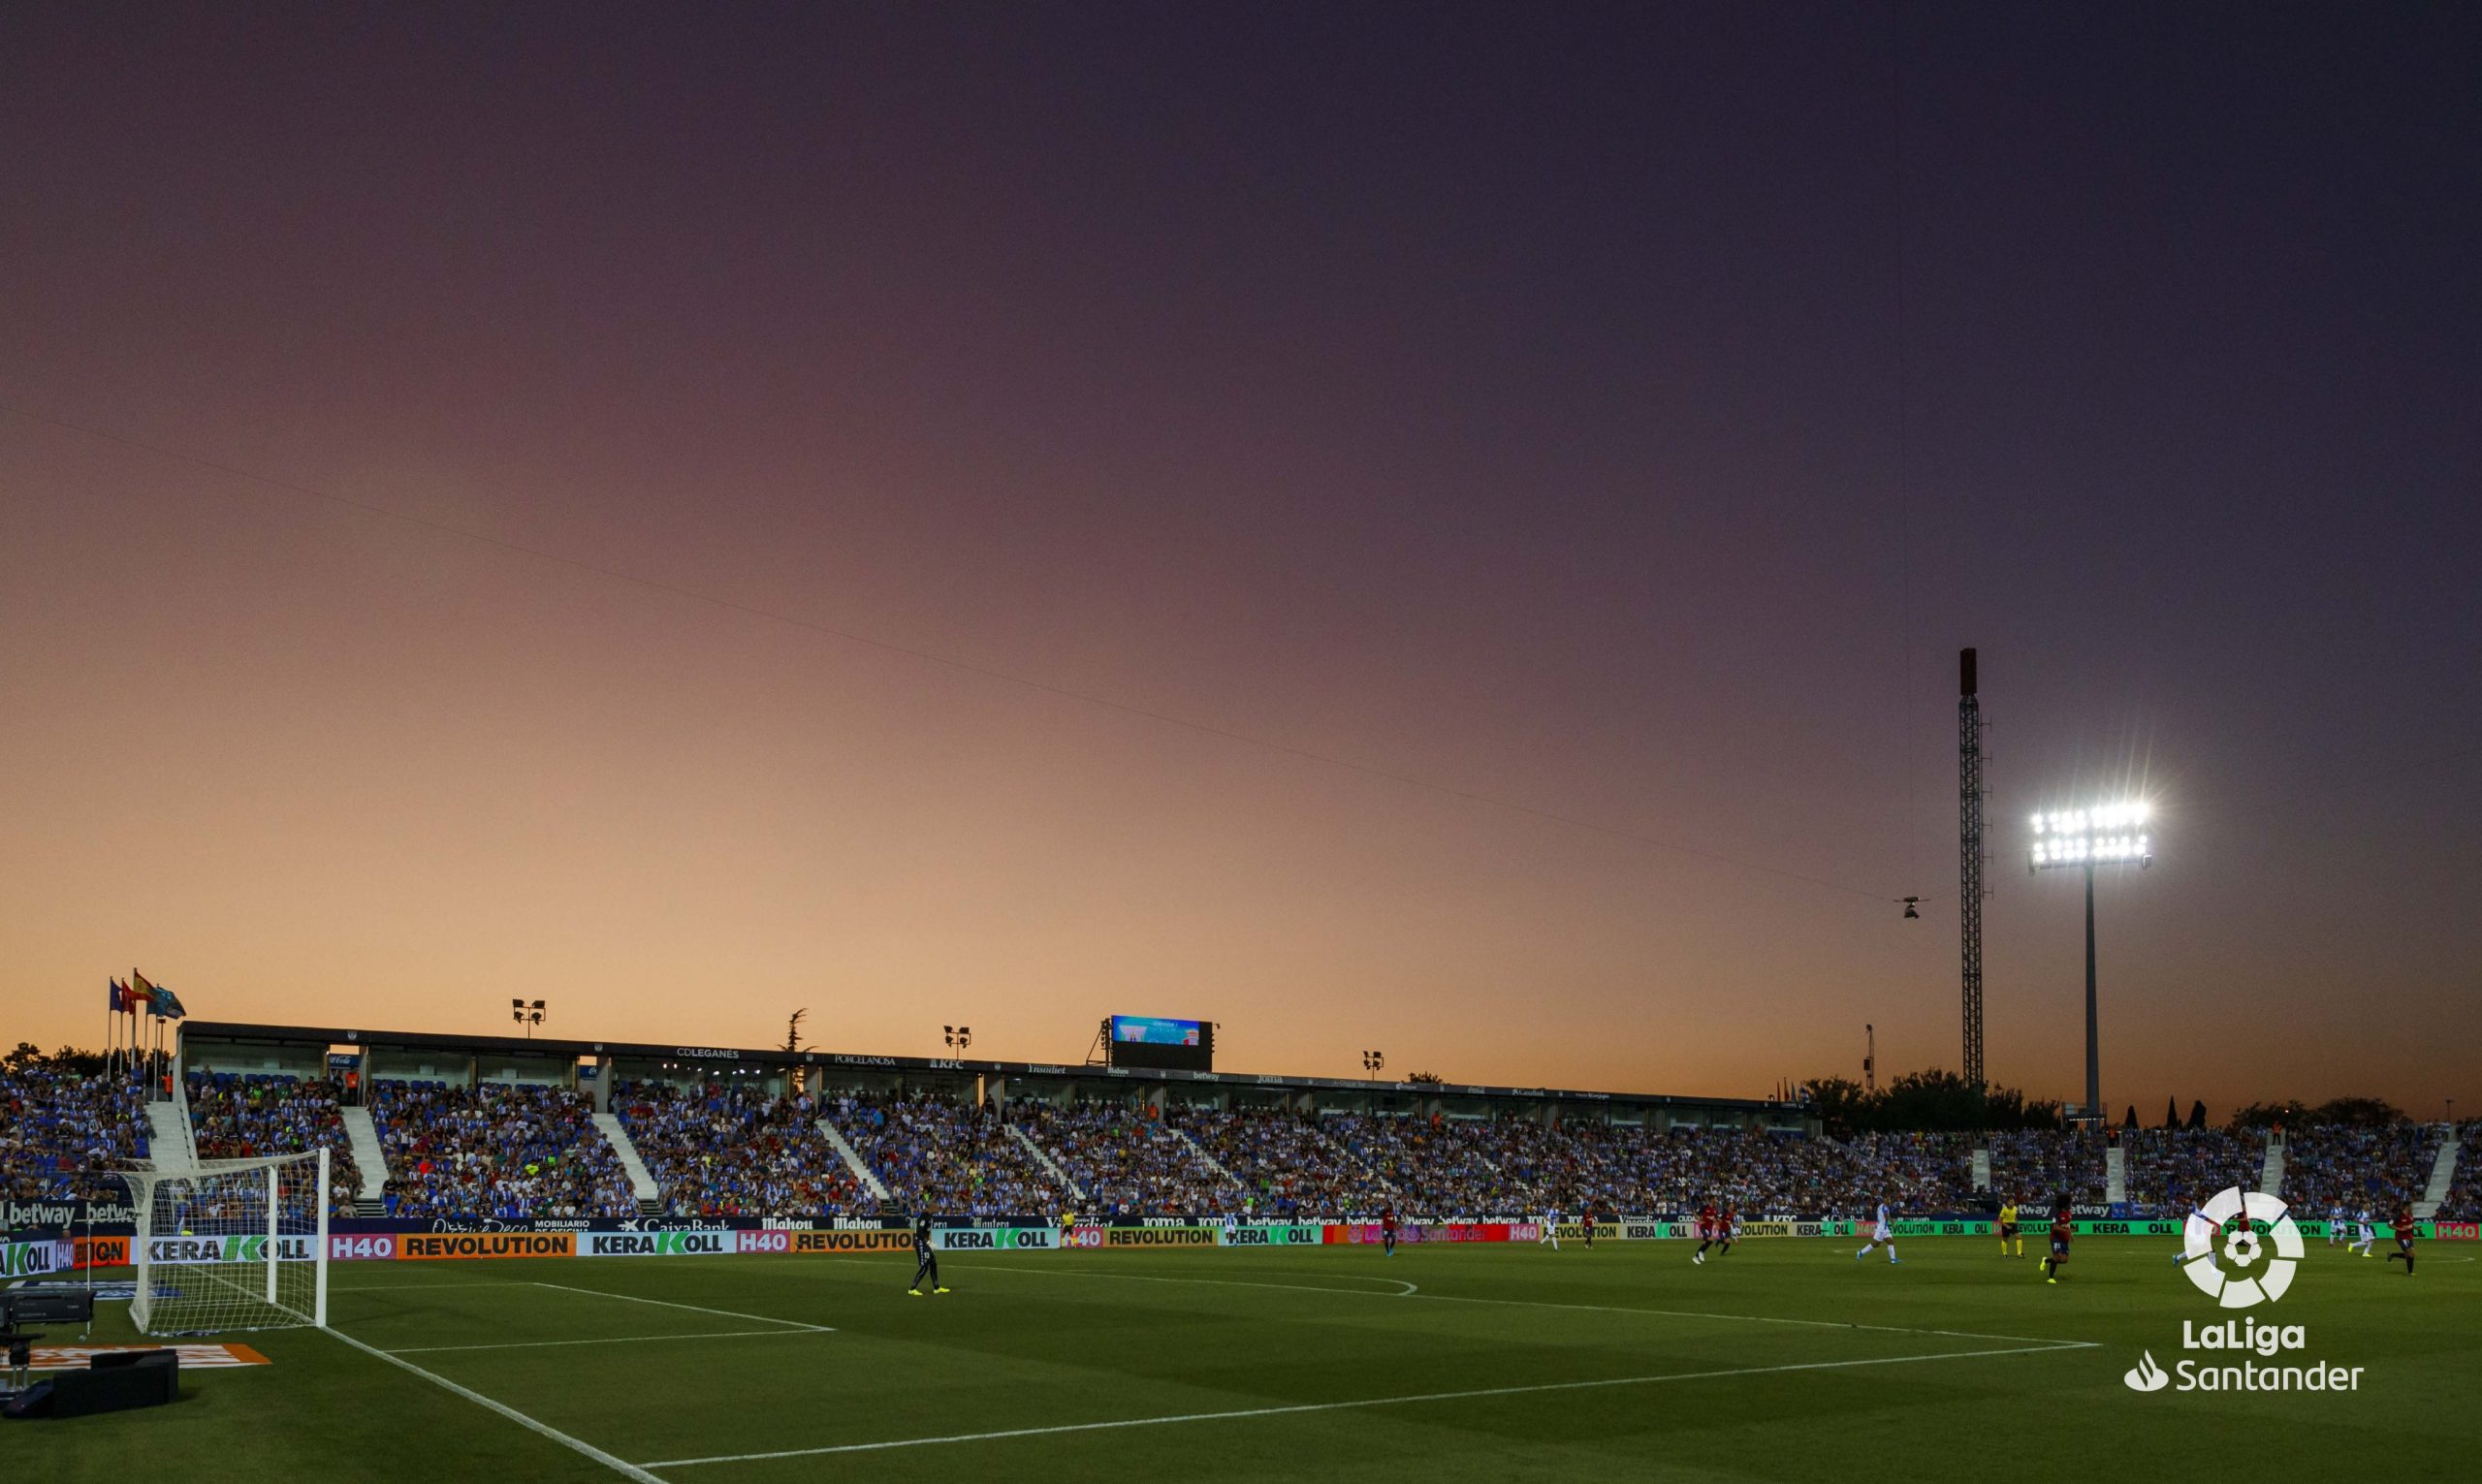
x,y
618,1465
508,1282
697,1309
1600,1309
536,1345
1409,1289
1336,1406
1824,1324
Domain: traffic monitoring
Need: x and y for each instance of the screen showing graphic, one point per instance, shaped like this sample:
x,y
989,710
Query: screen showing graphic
x,y
1152,1041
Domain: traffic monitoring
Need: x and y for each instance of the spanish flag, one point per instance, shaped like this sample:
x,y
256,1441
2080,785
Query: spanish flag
x,y
142,994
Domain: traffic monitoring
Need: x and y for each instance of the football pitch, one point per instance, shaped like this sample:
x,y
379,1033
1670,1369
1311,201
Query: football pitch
x,y
1786,1359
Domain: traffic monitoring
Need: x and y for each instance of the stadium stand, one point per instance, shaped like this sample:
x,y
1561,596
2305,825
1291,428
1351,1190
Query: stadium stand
x,y
2463,1200
1127,1160
733,1149
243,1117
1284,1166
496,1150
2177,1170
61,1130
2357,1168
2035,1167
729,1147
943,1154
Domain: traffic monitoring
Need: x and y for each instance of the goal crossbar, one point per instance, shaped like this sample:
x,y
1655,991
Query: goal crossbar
x,y
231,1244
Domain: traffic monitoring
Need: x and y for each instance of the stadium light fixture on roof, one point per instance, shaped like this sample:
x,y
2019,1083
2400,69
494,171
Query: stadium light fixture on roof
x,y
2102,834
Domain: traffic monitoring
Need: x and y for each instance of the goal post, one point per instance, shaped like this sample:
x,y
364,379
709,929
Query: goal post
x,y
231,1244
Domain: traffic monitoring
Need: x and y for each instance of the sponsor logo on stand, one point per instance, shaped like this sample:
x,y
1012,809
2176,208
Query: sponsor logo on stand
x,y
710,1243
870,1240
440,1245
22,1259
26,1215
173,1251
1159,1235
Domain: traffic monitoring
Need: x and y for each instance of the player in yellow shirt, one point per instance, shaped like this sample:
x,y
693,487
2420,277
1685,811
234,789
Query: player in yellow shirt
x,y
2008,1231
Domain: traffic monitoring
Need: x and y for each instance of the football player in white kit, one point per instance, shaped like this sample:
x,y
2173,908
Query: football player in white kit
x,y
1550,1229
1880,1234
2369,1233
2338,1233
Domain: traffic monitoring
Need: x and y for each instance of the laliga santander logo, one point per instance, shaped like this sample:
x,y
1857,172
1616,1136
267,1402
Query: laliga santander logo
x,y
2242,1249
2227,1256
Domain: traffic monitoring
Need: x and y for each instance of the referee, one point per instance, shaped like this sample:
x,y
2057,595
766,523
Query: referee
x,y
925,1261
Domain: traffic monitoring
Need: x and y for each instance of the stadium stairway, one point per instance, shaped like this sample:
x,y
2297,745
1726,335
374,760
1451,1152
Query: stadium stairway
x,y
1982,1166
1042,1156
2270,1174
641,1184
2115,1175
853,1160
370,1156
171,1143
2443,1176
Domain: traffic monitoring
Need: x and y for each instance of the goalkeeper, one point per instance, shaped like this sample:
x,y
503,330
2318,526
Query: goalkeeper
x,y
926,1262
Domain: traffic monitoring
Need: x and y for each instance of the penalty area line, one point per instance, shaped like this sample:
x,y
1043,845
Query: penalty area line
x,y
538,1345
619,1465
696,1308
1299,1409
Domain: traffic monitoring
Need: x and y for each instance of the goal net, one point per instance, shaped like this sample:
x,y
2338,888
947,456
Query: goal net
x,y
231,1244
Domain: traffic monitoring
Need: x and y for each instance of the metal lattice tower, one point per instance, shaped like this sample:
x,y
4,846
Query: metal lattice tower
x,y
1970,856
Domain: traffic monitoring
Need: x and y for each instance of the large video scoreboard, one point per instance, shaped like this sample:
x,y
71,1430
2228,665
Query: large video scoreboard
x,y
1149,1041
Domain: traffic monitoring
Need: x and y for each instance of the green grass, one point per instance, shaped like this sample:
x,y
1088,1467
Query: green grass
x,y
1700,1387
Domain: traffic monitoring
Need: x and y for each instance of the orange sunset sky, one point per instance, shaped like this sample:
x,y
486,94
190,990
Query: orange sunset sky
x,y
1544,456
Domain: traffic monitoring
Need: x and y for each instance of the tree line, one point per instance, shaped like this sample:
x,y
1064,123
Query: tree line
x,y
1940,1101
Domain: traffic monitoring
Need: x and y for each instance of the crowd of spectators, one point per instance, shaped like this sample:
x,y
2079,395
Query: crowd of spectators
x,y
1343,1164
236,1117
723,1149
2035,1167
501,1151
1282,1167
1127,1160
2174,1171
732,1149
939,1153
2463,1200
63,1130
2357,1168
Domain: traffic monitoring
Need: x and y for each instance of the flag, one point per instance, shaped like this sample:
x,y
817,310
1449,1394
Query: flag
x,y
115,997
141,993
167,1004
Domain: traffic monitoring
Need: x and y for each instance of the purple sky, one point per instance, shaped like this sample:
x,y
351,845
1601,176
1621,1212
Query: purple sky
x,y
1506,397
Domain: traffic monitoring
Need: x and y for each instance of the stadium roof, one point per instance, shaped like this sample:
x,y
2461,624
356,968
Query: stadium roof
x,y
779,1058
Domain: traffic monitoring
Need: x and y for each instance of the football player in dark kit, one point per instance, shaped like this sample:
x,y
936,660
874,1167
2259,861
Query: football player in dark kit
x,y
926,1262
2061,1231
1387,1229
2404,1237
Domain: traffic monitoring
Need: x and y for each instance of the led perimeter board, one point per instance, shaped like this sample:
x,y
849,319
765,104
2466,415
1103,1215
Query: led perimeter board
x,y
1149,1041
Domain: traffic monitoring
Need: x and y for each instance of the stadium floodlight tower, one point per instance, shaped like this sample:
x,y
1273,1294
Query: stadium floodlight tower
x,y
2098,835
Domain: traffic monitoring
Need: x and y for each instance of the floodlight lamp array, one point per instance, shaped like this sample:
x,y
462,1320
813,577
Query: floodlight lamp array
x,y
2097,834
